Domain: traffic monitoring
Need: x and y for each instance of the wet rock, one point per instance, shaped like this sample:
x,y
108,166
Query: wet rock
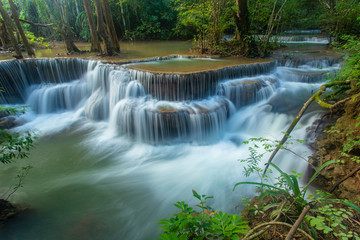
x,y
7,123
7,210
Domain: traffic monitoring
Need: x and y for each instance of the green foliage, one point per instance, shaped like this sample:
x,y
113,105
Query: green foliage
x,y
330,218
302,15
343,18
288,187
259,147
206,21
203,224
145,20
82,24
11,110
22,173
36,41
14,145
351,68
349,144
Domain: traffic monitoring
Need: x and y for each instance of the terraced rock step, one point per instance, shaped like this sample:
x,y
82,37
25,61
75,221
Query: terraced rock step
x,y
194,86
246,91
160,122
16,76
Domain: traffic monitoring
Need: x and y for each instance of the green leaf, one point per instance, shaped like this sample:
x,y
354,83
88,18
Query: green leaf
x,y
263,185
316,174
235,237
195,194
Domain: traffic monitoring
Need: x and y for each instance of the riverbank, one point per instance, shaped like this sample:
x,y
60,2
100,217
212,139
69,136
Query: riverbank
x,y
336,137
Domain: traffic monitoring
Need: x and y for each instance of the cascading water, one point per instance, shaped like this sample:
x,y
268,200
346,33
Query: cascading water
x,y
119,146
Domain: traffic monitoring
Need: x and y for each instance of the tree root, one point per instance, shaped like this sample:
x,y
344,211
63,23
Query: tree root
x,y
276,223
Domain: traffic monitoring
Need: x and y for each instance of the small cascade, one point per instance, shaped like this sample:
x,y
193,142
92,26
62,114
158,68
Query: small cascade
x,y
159,122
194,86
303,39
51,98
246,91
17,76
315,62
13,82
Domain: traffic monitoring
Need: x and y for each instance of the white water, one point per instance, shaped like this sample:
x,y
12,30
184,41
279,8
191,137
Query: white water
x,y
96,176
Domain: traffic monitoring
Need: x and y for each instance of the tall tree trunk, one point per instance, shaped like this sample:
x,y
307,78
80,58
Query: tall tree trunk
x,y
65,29
10,30
122,16
4,37
110,25
247,44
95,43
242,19
109,49
25,41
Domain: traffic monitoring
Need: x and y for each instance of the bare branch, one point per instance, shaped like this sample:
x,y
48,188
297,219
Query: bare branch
x,y
37,24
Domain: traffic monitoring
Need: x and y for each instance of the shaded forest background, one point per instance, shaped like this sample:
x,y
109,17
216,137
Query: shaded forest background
x,y
207,22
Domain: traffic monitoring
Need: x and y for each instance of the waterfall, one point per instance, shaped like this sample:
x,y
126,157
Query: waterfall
x,y
155,108
17,76
245,91
160,122
193,86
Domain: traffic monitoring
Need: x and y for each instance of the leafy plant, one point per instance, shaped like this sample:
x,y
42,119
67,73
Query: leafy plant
x,y
36,41
203,224
330,217
22,173
288,188
264,145
14,145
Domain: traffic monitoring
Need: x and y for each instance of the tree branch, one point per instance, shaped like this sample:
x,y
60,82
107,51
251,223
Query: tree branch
x,y
343,179
37,24
297,223
315,97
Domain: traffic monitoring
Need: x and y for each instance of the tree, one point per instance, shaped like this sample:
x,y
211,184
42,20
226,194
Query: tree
x,y
10,30
109,49
95,43
65,29
25,41
4,37
341,17
241,17
110,25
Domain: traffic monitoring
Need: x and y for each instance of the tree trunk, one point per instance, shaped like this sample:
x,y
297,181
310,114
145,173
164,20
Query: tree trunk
x,y
110,25
122,17
25,41
95,43
242,19
109,49
4,37
10,30
68,38
65,30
